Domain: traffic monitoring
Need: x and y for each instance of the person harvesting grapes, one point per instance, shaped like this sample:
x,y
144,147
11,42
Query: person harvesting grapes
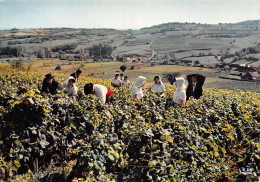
x,y
137,92
116,82
69,87
121,77
179,96
126,82
76,75
100,91
158,86
50,84
194,89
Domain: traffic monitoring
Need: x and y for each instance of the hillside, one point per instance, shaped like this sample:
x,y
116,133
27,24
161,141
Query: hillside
x,y
229,52
60,138
249,22
206,43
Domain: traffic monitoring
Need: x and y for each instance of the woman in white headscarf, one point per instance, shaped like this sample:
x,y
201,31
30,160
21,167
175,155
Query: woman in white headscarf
x,y
137,92
179,96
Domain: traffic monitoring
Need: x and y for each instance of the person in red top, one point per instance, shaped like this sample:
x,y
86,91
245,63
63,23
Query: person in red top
x,y
100,91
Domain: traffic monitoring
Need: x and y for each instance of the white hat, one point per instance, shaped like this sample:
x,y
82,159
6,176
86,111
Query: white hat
x,y
71,78
139,81
180,81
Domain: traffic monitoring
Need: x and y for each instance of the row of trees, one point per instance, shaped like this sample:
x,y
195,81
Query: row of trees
x,y
15,51
19,51
96,51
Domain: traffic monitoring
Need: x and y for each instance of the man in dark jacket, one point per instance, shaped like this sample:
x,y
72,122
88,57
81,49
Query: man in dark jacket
x,y
195,86
76,74
50,85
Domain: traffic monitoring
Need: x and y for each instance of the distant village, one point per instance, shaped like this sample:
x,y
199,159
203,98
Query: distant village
x,y
129,59
228,70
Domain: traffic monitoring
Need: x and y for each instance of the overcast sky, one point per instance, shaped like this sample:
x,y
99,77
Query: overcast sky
x,y
122,14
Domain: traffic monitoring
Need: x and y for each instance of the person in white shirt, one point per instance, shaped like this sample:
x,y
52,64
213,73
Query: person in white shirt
x,y
137,92
158,86
126,82
179,96
116,82
121,77
70,87
100,91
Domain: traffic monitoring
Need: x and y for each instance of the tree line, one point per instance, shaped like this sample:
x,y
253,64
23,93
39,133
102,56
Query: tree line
x,y
15,51
100,50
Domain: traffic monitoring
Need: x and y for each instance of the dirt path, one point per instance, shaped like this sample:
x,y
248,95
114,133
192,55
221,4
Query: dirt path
x,y
153,51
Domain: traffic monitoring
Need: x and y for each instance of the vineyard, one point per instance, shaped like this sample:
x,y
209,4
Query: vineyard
x,y
61,138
